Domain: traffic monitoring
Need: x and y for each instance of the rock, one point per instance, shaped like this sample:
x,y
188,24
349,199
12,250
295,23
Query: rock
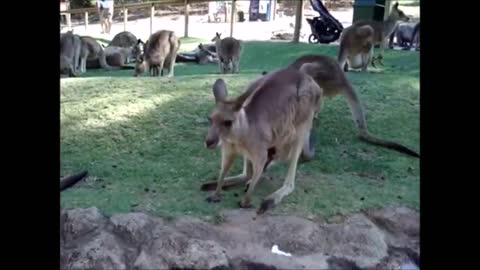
x,y
134,227
79,222
294,235
399,220
101,252
382,239
147,262
178,251
357,240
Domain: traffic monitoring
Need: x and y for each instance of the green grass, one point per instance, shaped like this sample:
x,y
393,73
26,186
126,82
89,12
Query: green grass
x,y
141,139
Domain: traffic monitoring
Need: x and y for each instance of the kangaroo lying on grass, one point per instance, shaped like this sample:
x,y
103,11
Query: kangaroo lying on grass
x,y
329,76
358,40
160,51
201,55
229,51
116,58
270,121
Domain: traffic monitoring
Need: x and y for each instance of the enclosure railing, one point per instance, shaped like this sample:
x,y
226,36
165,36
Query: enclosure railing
x,y
125,7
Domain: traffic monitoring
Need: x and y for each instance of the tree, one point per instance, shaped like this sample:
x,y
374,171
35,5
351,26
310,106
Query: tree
x,y
298,21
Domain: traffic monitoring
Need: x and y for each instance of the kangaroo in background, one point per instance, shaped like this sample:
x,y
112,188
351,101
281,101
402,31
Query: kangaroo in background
x,y
123,39
201,55
128,40
70,49
229,51
160,51
416,37
328,74
358,40
269,121
116,57
404,35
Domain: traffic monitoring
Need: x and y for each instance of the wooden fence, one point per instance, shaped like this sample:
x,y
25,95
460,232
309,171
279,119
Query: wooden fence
x,y
125,7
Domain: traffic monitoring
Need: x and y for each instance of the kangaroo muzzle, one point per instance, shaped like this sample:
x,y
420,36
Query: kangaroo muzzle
x,y
212,141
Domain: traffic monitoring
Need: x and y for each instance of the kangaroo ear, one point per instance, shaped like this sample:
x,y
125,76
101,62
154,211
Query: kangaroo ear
x,y
220,90
396,5
238,103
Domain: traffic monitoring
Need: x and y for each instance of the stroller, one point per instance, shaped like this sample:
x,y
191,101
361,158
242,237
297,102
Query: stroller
x,y
325,28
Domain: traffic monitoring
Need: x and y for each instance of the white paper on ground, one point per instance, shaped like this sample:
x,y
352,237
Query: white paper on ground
x,y
279,252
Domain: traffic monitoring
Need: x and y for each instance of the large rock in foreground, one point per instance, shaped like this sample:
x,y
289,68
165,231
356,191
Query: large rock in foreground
x,y
380,239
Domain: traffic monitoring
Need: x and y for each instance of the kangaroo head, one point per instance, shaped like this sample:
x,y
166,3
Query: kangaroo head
x,y
138,50
217,37
398,15
225,115
140,67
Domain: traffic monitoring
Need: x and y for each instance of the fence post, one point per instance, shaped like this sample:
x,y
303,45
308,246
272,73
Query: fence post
x,y
125,18
226,11
86,20
232,17
187,11
69,21
274,9
152,13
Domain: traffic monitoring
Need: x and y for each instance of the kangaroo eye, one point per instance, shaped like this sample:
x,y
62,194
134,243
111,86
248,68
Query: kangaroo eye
x,y
227,123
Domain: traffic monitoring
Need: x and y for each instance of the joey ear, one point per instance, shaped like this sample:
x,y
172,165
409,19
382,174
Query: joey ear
x,y
220,90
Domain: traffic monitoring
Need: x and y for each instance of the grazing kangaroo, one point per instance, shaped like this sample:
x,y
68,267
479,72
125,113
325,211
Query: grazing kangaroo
x,y
270,121
358,40
404,34
139,50
329,76
70,50
229,51
160,52
93,52
416,37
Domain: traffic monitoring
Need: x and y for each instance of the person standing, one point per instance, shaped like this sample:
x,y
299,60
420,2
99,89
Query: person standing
x,y
101,10
108,14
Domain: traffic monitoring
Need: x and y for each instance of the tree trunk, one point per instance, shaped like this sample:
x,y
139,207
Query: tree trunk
x,y
298,21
